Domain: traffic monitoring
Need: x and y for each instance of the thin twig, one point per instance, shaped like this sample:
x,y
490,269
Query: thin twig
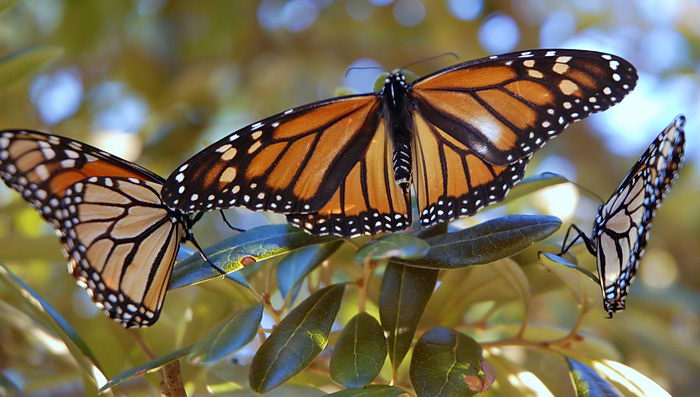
x,y
172,385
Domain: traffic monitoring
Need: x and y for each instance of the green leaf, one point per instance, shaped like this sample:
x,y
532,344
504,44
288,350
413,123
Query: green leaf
x,y
586,293
588,383
370,391
243,250
530,185
404,293
448,363
228,336
296,340
399,245
147,368
298,264
486,242
19,66
48,316
359,353
562,261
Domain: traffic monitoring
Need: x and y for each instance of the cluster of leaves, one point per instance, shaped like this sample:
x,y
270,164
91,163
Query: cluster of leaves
x,y
399,295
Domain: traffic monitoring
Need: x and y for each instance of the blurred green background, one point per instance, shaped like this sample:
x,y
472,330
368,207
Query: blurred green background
x,y
155,81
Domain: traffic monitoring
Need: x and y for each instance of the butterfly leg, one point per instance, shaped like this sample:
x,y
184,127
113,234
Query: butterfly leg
x,y
579,234
199,249
229,224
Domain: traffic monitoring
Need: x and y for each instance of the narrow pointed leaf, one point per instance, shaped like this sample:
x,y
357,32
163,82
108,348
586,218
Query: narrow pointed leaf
x,y
359,353
404,293
51,318
228,336
298,264
19,66
562,261
486,242
147,368
633,381
243,250
393,246
296,340
587,382
370,391
448,363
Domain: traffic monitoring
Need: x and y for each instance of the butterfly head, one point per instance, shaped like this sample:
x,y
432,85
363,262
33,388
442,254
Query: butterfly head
x,y
400,77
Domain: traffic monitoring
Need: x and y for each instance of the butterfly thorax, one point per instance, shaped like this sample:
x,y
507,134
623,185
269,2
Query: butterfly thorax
x,y
399,123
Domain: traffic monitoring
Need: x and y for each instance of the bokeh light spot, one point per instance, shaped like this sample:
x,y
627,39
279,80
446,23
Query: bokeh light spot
x,y
465,10
499,33
57,96
362,80
557,27
298,15
409,12
664,49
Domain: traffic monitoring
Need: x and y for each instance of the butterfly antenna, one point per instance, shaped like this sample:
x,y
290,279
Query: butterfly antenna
x,y
449,53
588,191
579,186
229,223
351,68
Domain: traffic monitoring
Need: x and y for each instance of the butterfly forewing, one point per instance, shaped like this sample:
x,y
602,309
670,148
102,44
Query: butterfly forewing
x,y
368,200
290,163
507,106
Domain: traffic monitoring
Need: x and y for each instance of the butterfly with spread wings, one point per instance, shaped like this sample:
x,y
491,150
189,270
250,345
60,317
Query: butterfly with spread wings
x,y
621,228
120,239
461,137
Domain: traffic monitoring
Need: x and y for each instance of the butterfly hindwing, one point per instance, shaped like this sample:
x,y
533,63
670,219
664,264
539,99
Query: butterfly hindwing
x,y
120,239
363,204
122,243
451,180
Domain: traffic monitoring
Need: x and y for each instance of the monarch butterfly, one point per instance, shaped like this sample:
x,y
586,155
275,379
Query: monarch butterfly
x,y
621,228
461,137
120,239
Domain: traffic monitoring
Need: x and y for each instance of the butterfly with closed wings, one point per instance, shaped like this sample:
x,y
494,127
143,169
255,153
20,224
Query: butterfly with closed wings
x,y
621,228
461,137
120,239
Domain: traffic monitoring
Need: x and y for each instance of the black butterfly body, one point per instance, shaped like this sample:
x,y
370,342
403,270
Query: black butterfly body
x,y
460,138
120,239
621,228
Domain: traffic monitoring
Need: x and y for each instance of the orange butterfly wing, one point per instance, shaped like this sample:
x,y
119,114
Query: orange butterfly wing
x,y
368,200
120,240
293,162
507,106
478,123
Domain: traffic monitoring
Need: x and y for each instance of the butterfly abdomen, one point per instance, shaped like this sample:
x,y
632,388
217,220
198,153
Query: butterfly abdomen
x,y
399,123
